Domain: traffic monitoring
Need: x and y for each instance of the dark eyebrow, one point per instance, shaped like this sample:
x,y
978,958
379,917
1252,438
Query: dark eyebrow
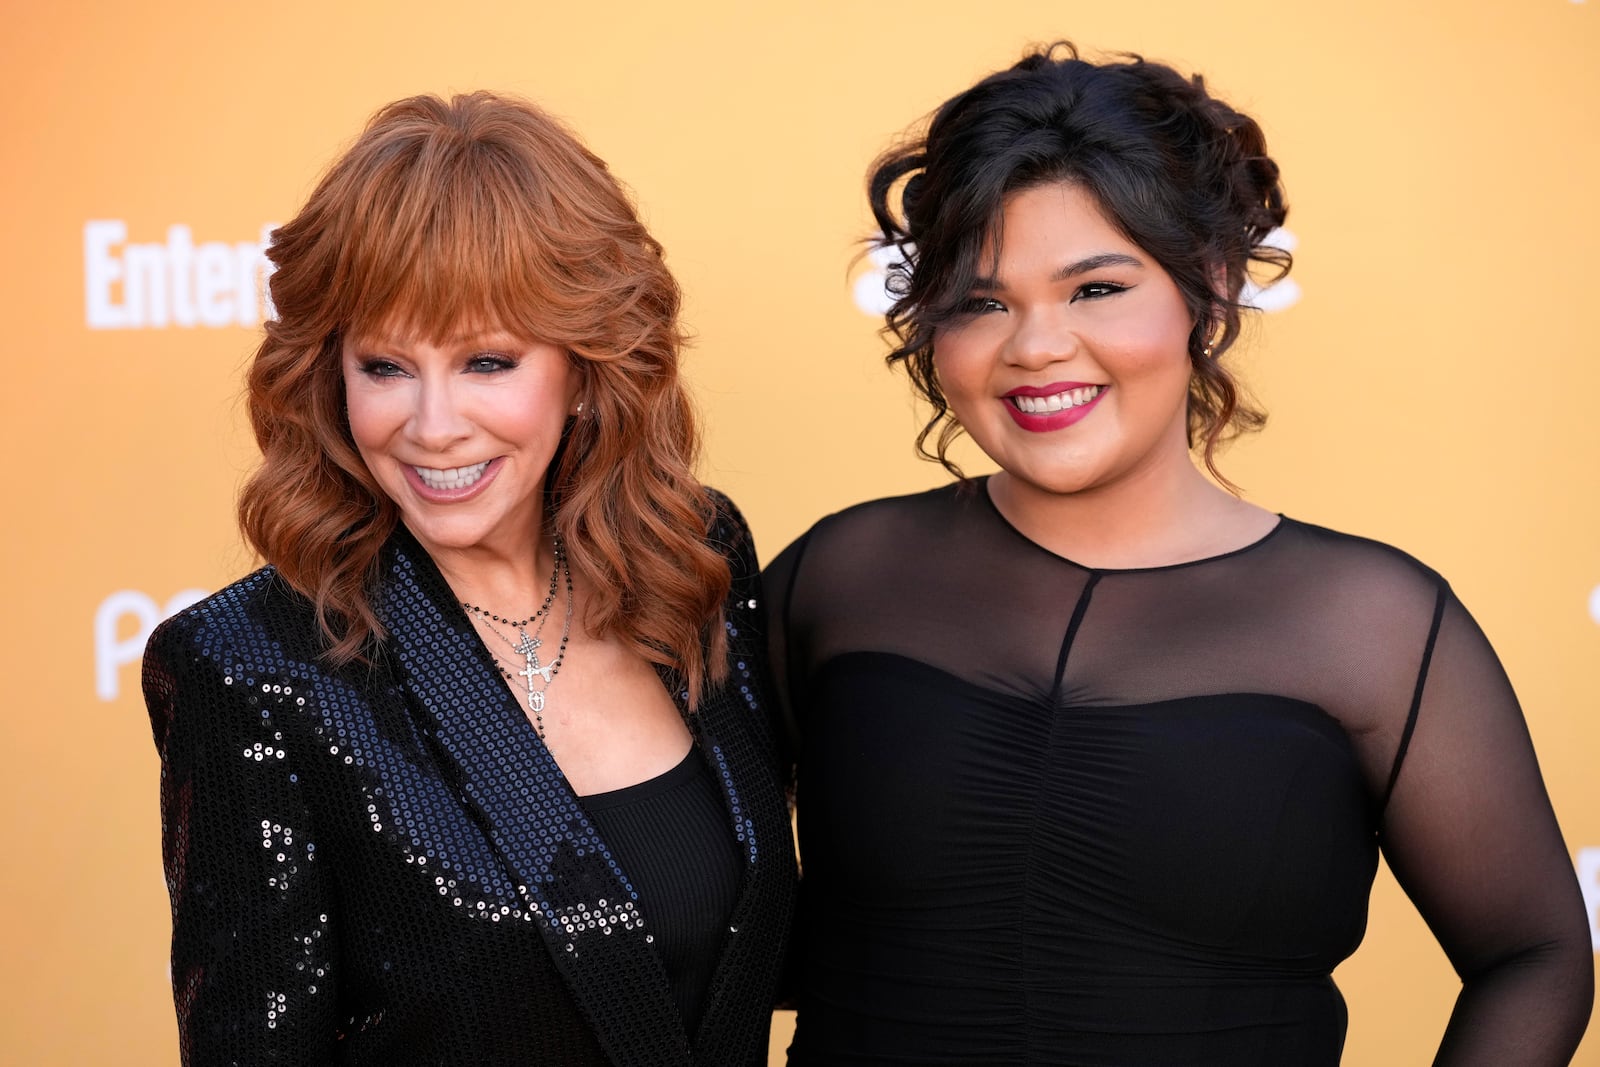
x,y
1072,270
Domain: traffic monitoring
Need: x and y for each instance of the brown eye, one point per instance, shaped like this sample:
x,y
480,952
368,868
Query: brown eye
x,y
1097,290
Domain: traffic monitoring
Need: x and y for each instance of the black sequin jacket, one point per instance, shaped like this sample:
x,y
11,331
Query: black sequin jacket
x,y
382,864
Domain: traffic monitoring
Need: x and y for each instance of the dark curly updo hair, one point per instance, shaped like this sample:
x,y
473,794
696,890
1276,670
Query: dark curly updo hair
x,y
1184,176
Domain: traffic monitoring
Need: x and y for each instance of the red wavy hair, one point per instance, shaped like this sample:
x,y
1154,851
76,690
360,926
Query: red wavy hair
x,y
483,210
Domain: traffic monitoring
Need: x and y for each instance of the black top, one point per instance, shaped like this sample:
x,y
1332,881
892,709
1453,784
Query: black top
x,y
671,835
1055,814
382,864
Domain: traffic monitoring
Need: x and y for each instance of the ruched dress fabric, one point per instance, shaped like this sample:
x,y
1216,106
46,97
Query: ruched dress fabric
x,y
1050,814
382,864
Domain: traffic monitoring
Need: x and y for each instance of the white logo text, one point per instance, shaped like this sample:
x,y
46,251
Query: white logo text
x,y
132,286
112,652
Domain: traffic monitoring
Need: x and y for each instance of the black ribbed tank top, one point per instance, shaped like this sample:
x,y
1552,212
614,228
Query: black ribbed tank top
x,y
672,836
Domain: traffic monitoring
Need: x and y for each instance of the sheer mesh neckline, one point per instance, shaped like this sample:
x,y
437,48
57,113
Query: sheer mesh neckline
x,y
1005,849
983,490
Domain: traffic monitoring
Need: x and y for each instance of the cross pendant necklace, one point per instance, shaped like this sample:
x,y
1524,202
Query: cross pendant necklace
x,y
529,648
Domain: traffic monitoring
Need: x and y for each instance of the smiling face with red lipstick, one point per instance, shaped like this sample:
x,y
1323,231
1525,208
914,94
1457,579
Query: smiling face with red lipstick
x,y
460,433
1069,366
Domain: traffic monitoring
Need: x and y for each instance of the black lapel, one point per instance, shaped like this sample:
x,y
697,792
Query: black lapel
x,y
581,901
726,727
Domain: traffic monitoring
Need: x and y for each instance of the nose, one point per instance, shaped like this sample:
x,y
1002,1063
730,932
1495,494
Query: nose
x,y
437,421
1042,337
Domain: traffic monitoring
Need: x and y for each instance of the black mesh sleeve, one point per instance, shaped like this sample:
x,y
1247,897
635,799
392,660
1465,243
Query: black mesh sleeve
x,y
1470,835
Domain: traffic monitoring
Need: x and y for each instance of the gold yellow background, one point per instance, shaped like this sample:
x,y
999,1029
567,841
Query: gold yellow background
x,y
1434,386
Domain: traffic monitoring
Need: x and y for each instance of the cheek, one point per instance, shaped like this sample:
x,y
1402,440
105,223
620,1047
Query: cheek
x,y
544,404
366,417
525,420
1156,350
959,367
376,413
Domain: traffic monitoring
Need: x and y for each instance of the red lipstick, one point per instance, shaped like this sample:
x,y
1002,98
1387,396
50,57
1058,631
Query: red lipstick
x,y
1044,422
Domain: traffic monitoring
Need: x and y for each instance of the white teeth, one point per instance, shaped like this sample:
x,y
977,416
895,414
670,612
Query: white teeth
x,y
1068,398
451,477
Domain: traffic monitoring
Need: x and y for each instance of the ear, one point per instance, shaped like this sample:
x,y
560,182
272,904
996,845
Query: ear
x,y
1212,319
577,384
1220,287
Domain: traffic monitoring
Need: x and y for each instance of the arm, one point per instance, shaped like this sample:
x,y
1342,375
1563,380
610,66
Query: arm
x,y
253,970
1470,834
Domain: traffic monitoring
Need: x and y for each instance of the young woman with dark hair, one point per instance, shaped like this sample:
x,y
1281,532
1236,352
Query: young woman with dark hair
x,y
1095,758
475,770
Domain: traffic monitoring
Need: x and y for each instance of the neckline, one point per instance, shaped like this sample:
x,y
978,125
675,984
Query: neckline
x,y
684,771
994,509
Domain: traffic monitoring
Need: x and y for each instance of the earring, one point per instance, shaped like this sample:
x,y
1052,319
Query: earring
x,y
579,410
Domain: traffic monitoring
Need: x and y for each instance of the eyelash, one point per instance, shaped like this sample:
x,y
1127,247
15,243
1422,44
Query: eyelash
x,y
489,362
380,368
979,305
481,363
1105,289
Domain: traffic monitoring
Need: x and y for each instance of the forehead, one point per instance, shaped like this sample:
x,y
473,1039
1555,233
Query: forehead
x,y
402,331
1064,211
437,290
1047,227
405,321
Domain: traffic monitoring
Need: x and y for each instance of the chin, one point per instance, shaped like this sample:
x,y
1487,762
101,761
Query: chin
x,y
1060,486
1054,480
455,536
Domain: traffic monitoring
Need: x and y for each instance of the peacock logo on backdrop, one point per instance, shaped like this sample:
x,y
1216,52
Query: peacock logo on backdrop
x,y
122,624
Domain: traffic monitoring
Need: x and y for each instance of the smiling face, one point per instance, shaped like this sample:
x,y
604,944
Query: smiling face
x,y
1070,368
460,433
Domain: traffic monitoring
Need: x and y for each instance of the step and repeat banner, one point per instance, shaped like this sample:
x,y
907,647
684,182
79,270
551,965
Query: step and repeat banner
x,y
1430,370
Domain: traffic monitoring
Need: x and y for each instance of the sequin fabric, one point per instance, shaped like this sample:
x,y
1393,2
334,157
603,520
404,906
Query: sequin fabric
x,y
382,864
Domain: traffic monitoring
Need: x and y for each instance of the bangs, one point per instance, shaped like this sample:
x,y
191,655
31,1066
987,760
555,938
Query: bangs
x,y
453,236
471,216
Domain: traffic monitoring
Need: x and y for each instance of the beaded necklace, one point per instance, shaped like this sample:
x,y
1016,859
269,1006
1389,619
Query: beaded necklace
x,y
529,645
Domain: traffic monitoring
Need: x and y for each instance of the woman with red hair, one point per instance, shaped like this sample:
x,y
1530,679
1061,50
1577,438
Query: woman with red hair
x,y
475,770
